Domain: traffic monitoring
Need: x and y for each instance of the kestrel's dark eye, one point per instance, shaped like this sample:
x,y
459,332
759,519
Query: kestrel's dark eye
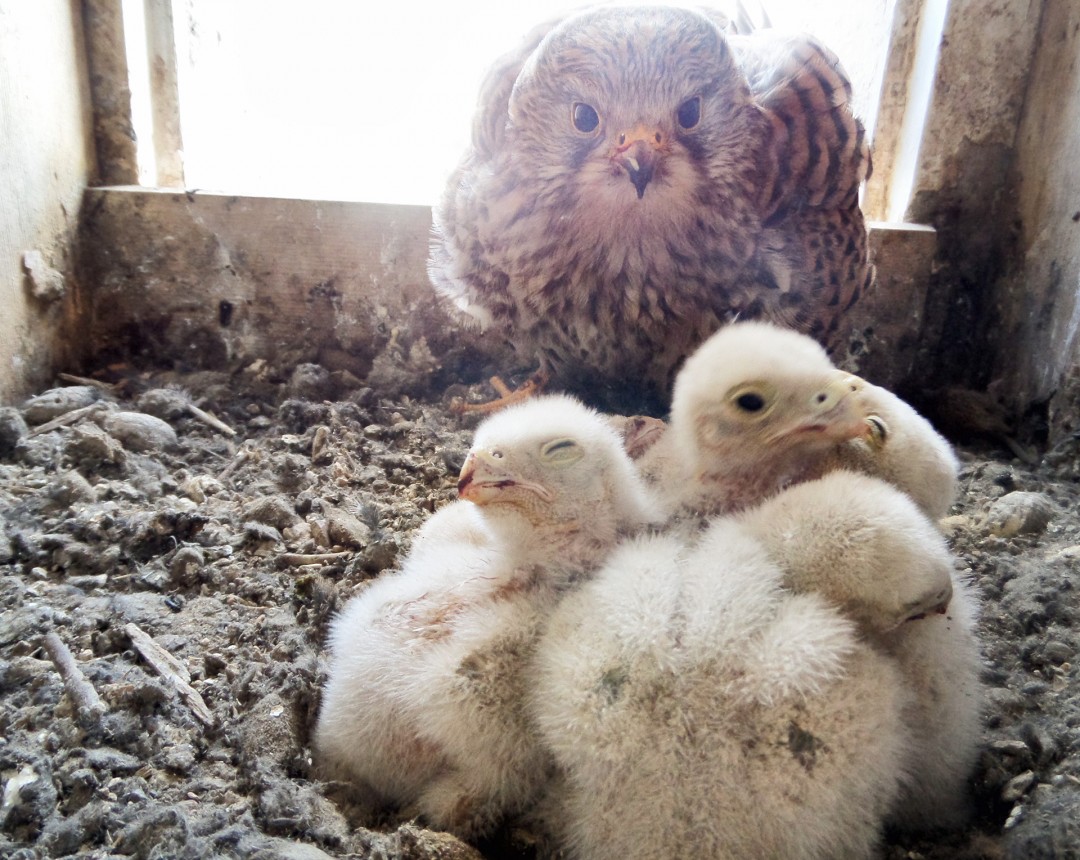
x,y
689,112
586,119
751,401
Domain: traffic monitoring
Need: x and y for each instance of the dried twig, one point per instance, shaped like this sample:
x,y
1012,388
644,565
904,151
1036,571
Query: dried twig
x,y
171,669
297,559
84,380
65,419
88,705
241,457
212,420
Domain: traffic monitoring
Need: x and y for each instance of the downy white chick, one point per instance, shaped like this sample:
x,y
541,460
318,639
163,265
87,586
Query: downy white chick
x,y
869,550
757,408
697,709
860,543
423,708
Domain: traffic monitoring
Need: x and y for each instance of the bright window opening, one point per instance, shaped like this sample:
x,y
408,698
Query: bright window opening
x,y
329,99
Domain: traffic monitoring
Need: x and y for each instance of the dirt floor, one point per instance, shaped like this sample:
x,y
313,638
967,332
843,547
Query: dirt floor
x,y
165,588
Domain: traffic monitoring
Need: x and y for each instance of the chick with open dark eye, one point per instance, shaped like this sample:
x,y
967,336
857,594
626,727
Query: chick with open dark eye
x,y
845,483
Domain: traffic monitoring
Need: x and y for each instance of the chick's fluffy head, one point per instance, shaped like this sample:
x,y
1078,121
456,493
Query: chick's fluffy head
x,y
571,454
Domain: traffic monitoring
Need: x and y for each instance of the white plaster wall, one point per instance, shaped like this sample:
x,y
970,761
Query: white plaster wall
x,y
46,157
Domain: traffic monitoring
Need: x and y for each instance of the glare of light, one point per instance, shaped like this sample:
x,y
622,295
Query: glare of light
x,y
337,103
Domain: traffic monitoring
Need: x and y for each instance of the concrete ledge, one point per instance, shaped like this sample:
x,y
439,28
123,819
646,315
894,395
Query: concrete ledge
x,y
210,280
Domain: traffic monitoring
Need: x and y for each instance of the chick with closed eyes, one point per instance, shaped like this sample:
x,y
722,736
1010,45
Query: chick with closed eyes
x,y
423,709
698,709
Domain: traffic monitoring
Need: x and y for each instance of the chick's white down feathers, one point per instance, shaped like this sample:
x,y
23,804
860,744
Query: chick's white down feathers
x,y
868,549
762,422
696,708
424,705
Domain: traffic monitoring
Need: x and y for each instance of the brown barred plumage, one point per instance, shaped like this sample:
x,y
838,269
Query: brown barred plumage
x,y
638,177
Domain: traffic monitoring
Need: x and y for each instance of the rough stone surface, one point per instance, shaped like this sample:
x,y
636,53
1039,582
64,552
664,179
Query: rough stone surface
x,y
164,541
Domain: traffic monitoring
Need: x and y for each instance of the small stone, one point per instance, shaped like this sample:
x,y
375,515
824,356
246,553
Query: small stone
x,y
320,532
1016,787
257,532
138,431
179,758
1019,513
71,487
311,382
112,760
273,511
91,447
197,488
165,403
1011,746
12,429
297,534
186,566
1057,651
347,530
379,556
46,283
321,452
59,401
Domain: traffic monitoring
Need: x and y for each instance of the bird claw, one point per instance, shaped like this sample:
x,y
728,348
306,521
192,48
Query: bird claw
x,y
877,432
507,396
932,604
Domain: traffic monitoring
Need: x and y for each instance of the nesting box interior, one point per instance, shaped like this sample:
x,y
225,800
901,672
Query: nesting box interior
x,y
90,274
188,579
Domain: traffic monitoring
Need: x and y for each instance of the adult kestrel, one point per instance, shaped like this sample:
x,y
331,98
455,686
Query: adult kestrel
x,y
637,177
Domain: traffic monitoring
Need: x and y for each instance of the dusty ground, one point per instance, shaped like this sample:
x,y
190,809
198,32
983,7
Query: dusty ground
x,y
231,552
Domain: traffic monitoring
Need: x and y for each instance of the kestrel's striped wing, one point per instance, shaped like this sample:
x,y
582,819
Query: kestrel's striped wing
x,y
492,110
820,154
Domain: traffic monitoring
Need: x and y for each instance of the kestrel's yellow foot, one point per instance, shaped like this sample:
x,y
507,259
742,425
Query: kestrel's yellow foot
x,y
533,386
639,432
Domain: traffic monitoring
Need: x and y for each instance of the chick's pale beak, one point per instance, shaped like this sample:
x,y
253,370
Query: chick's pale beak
x,y
485,479
638,152
834,412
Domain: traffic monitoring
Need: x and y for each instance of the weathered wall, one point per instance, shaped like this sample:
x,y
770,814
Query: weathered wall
x,y
213,281
962,179
46,157
1036,306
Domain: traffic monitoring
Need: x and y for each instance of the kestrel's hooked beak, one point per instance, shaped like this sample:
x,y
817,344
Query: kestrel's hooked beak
x,y
485,479
638,151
